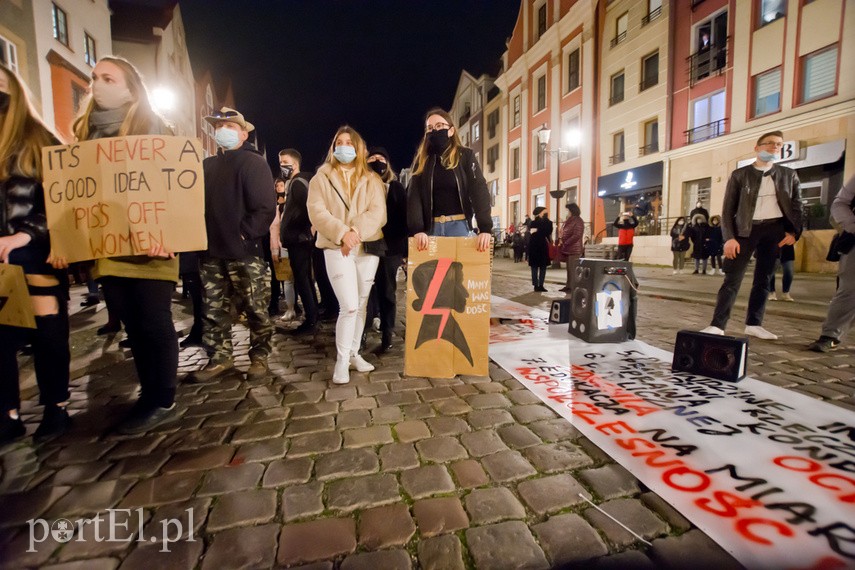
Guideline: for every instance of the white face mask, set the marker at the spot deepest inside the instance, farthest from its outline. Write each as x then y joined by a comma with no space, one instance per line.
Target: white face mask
110,95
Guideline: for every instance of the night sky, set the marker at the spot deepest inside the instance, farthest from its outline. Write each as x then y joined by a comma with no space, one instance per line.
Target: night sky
300,69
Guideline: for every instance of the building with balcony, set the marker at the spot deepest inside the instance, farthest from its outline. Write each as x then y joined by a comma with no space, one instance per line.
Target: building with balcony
634,51
548,83
492,161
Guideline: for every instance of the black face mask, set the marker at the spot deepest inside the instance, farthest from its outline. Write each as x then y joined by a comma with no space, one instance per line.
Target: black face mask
286,171
438,141
379,167
5,98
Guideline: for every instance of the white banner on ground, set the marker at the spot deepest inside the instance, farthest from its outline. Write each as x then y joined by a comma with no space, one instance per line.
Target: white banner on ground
767,473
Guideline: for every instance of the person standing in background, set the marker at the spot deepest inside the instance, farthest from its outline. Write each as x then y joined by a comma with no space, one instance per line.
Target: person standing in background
626,224
572,233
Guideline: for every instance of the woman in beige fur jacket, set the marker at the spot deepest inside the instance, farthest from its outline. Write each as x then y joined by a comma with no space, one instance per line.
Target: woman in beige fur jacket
347,206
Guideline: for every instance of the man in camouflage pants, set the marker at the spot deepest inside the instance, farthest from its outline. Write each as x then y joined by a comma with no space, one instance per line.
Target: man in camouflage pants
240,203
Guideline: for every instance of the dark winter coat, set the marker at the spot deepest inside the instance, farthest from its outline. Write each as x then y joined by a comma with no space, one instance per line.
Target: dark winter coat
715,241
538,243
22,209
395,230
295,227
239,206
678,244
698,234
572,233
471,185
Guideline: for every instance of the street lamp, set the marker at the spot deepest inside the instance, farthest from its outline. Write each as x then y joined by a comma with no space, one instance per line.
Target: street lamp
573,138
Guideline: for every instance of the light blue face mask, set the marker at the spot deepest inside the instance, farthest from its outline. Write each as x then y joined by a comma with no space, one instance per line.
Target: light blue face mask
227,138
766,156
344,154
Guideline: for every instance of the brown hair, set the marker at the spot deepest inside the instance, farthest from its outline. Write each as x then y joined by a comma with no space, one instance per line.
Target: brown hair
141,117
769,134
293,153
361,166
451,157
22,133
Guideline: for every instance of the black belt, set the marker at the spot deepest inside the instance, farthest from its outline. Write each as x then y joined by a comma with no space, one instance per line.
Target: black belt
765,222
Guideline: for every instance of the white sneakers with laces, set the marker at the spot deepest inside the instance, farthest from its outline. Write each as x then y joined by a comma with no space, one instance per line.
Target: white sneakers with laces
713,330
361,364
341,373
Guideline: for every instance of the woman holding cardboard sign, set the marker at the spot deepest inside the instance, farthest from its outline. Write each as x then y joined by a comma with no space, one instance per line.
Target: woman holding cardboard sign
24,241
347,205
140,286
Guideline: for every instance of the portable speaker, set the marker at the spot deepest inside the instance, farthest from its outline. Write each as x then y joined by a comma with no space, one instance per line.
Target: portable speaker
712,355
560,312
601,300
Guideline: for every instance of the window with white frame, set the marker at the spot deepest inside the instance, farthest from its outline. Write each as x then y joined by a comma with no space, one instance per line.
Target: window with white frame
492,123
616,95
541,93
767,92
539,153
570,138
819,74
476,131
89,54
539,199
541,20
650,71
621,25
574,77
617,148
708,117
60,24
8,54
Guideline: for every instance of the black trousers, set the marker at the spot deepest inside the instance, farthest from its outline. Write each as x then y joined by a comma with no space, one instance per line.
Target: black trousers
51,358
763,242
538,274
386,287
300,257
624,252
145,306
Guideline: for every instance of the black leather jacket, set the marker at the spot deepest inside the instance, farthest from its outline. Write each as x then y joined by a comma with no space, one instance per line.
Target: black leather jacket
295,228
474,195
22,208
740,199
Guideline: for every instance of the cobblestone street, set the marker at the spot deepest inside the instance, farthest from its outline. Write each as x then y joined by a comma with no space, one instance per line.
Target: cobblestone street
386,472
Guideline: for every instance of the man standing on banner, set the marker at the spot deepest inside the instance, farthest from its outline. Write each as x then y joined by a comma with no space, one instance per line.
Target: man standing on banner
239,208
295,234
447,188
762,211
841,311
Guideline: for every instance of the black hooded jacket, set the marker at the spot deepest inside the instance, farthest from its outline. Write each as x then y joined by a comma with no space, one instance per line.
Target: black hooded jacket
295,227
239,202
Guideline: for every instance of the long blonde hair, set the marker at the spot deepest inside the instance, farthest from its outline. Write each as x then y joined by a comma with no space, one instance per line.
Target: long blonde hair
141,117
360,162
22,133
450,158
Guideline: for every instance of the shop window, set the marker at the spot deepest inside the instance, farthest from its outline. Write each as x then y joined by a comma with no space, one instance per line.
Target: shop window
695,191
647,207
819,75
767,92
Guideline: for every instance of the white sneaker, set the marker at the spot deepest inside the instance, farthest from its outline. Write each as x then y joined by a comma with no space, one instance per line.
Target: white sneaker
713,330
361,364
341,373
375,324
289,315
674,272
721,271
773,297
787,297
760,332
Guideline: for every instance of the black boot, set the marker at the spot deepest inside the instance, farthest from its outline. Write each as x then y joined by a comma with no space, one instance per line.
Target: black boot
10,429
385,343
55,422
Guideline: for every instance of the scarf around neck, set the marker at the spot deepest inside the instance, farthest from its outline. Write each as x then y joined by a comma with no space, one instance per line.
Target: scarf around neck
106,122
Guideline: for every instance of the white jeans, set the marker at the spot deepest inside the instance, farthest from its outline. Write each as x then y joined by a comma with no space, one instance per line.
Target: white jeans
351,278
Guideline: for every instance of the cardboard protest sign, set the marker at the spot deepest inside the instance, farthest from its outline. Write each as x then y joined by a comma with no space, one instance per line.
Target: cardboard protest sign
448,309
120,196
16,309
766,472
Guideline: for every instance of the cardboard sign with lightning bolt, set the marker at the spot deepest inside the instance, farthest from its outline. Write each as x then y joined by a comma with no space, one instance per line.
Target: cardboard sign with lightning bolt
16,309
448,309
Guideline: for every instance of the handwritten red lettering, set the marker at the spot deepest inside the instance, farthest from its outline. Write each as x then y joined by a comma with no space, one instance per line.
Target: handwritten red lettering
743,527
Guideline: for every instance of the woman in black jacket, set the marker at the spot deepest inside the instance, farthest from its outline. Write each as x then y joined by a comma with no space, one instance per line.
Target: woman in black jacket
538,247
447,188
395,238
715,244
24,241
698,233
679,244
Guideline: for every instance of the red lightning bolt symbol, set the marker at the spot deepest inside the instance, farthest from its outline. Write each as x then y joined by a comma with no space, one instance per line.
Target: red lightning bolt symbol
442,266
